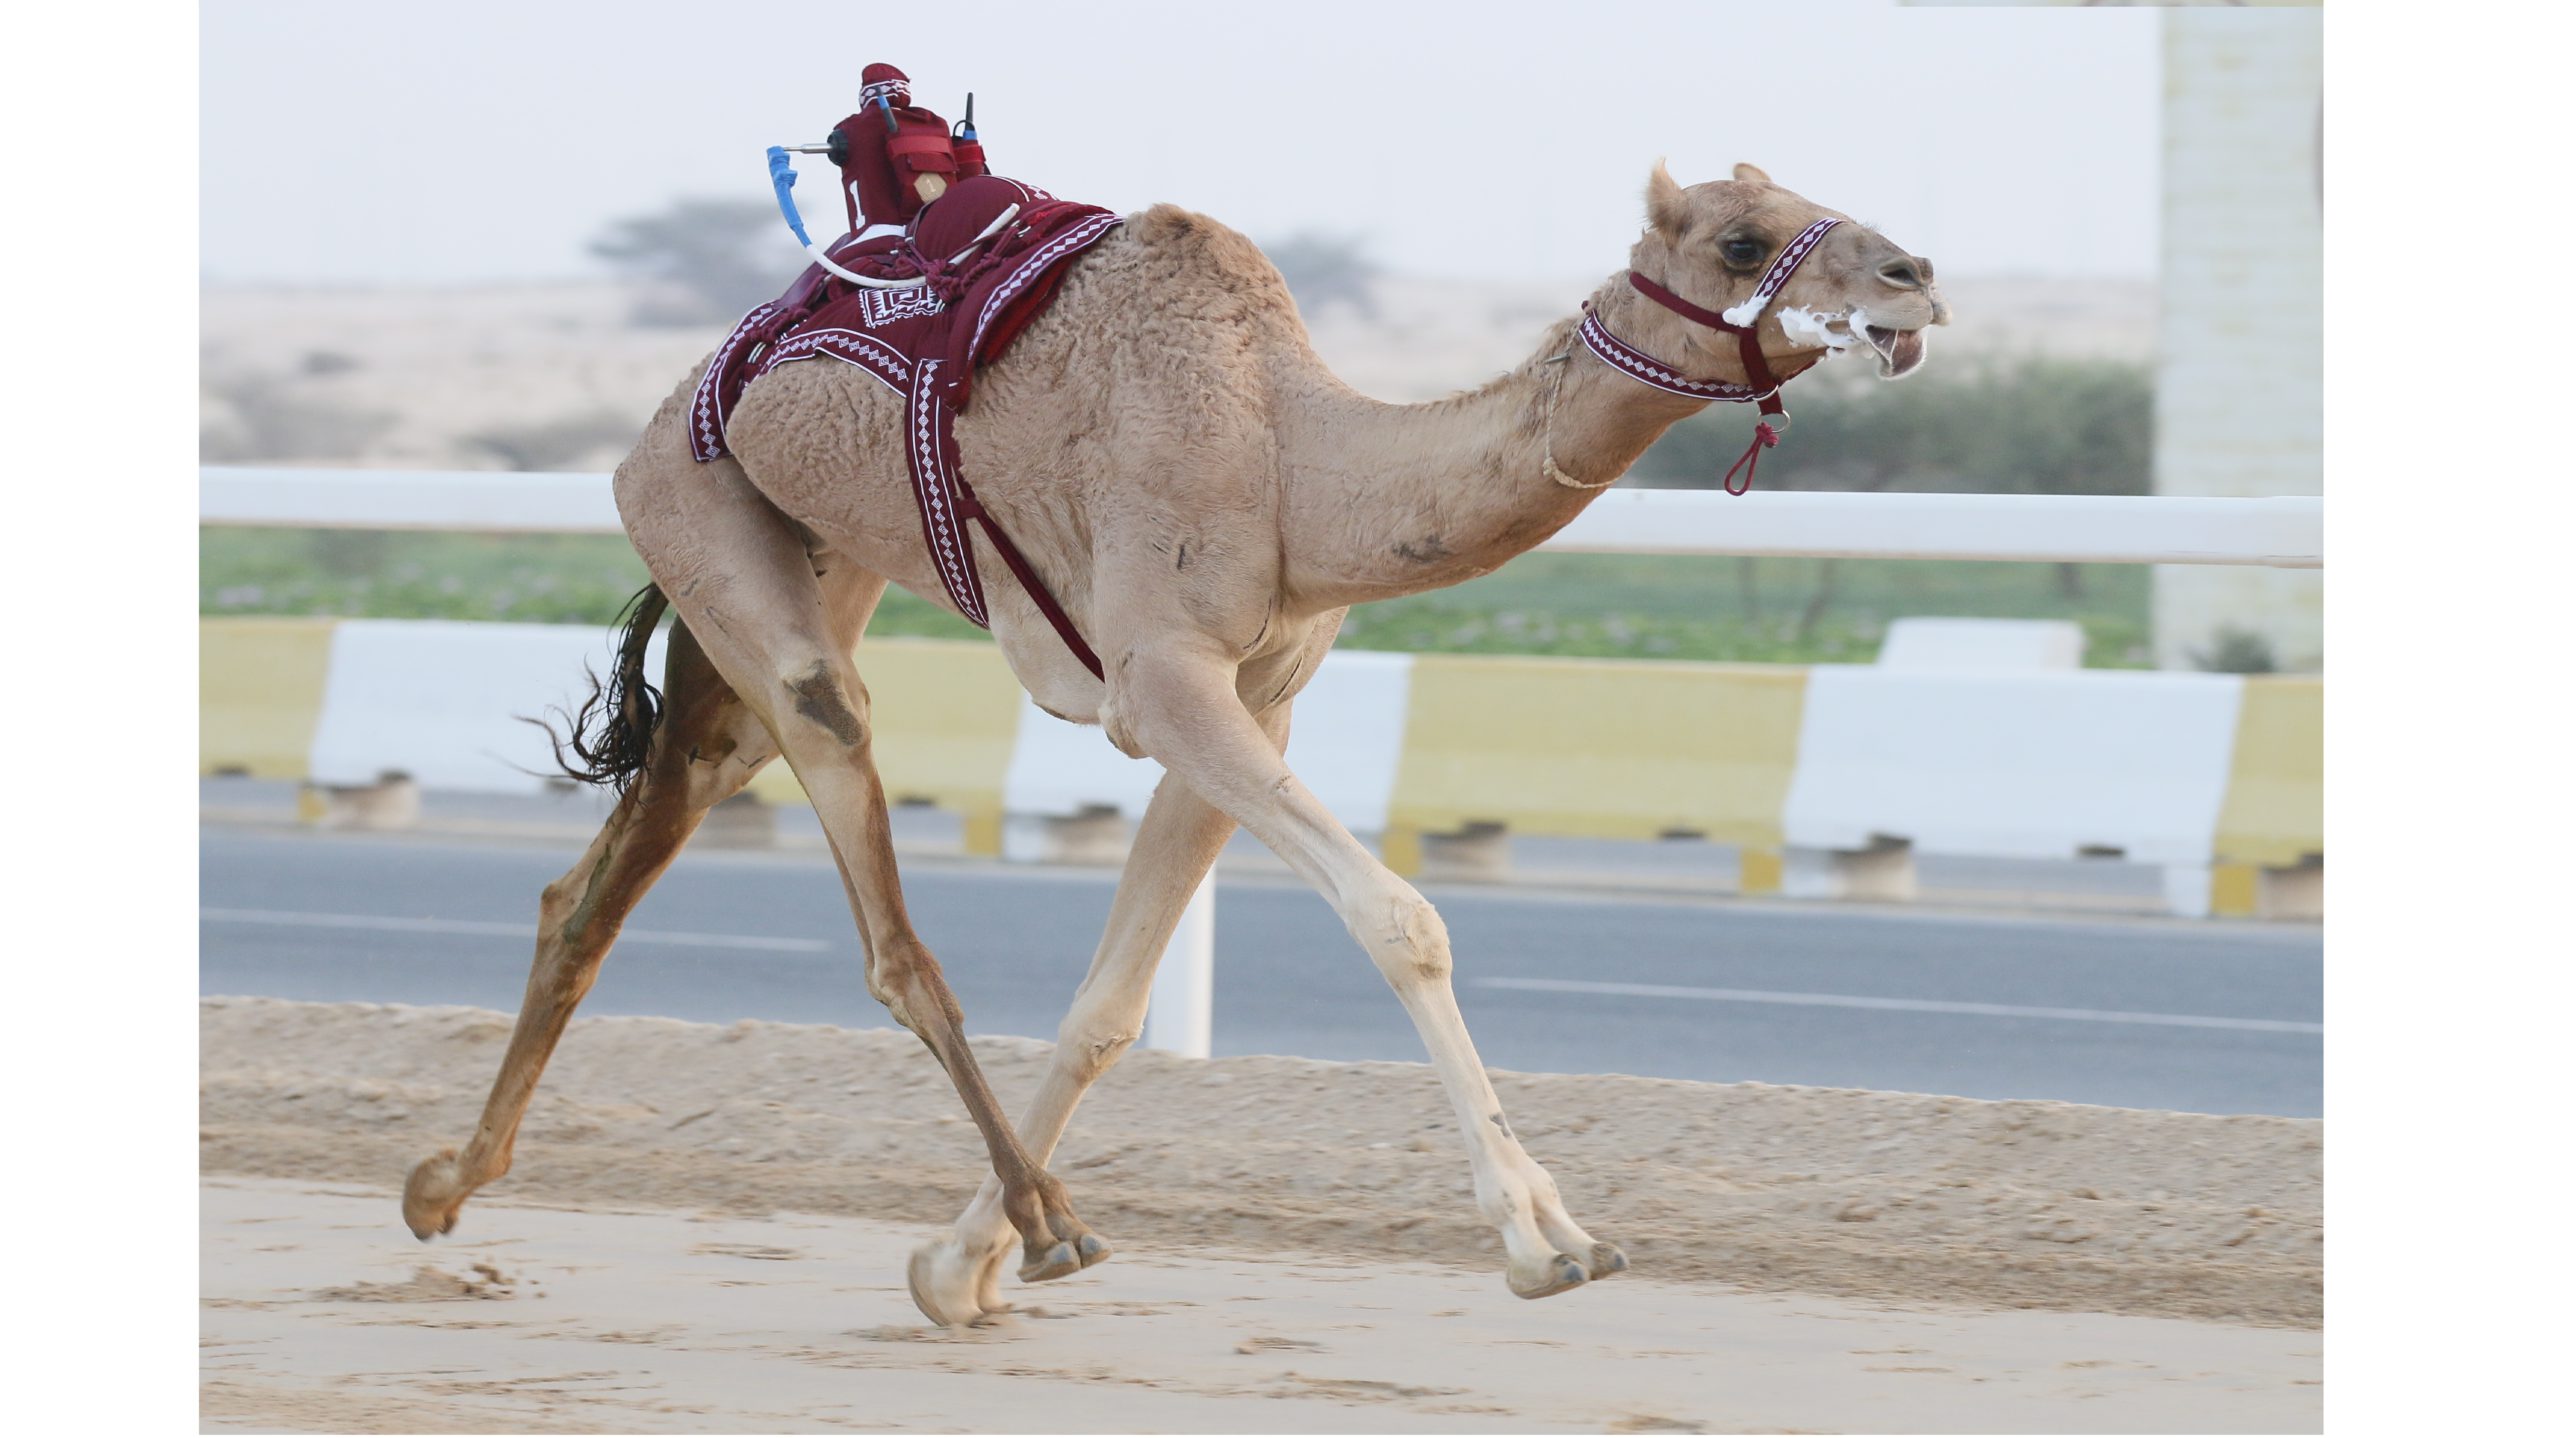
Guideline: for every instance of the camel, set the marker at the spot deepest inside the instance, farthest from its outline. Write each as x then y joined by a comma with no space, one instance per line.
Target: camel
1205,499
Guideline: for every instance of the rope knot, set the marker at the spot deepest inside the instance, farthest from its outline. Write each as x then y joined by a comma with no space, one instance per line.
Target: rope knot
1764,436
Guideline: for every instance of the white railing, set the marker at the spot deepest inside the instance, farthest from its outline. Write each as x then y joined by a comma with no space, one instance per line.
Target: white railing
2281,533
2023,528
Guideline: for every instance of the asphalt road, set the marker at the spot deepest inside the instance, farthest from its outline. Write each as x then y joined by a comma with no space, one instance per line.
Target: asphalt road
2213,1018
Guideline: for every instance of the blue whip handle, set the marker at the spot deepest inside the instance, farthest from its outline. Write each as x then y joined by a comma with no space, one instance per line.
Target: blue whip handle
778,160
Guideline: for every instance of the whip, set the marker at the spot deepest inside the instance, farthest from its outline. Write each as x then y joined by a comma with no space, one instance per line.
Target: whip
777,161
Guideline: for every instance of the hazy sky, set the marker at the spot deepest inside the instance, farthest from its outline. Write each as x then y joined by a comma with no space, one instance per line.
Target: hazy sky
471,140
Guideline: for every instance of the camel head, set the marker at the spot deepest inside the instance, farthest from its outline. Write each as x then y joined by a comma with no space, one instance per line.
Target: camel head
1858,290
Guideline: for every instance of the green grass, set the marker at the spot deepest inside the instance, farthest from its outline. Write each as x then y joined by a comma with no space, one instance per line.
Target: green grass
1611,606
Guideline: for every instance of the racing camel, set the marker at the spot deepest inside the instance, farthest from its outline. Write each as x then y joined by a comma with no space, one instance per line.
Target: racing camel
1203,499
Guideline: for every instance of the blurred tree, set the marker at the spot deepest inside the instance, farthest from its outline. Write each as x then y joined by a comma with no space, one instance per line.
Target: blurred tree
2235,651
1326,269
252,417
2034,426
705,261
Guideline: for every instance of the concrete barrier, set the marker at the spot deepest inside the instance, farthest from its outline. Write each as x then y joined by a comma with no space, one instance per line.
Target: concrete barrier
1593,749
2024,765
1830,780
260,684
2266,842
438,701
1979,644
1070,796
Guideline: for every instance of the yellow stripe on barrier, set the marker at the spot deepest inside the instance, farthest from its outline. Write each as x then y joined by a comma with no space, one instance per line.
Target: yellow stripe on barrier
259,683
2271,812
1591,748
943,714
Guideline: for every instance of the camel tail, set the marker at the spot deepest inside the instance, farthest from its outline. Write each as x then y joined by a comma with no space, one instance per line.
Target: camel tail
608,738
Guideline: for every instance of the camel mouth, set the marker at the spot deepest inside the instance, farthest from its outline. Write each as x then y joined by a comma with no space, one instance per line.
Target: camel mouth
1898,352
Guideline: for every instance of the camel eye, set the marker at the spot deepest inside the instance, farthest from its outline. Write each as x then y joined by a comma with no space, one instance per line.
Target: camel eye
1743,252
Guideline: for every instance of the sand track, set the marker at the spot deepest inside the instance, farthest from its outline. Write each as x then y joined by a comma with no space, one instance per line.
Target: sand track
1882,1218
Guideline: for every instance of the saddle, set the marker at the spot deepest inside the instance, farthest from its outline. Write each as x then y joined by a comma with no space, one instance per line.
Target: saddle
975,269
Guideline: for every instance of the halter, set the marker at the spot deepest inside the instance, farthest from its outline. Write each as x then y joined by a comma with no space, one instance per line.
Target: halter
1744,320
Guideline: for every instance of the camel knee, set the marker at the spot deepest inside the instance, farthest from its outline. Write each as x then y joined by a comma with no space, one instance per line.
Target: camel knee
1118,728
1091,1041
908,983
570,905
819,696
1405,938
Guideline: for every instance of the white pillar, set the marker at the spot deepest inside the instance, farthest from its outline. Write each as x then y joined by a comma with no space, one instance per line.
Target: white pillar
2238,410
1178,1005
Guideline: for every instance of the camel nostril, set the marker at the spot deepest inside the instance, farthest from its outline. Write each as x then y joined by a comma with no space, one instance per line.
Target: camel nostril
1902,273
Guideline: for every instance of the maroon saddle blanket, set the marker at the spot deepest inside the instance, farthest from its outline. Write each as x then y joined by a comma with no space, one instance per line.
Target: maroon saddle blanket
989,255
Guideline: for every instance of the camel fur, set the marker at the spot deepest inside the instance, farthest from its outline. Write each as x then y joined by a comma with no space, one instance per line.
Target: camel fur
1206,499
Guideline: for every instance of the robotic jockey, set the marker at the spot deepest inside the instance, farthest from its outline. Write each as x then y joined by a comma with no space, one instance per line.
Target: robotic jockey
896,157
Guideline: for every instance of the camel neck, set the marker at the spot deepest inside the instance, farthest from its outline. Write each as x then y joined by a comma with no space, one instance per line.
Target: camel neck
1445,491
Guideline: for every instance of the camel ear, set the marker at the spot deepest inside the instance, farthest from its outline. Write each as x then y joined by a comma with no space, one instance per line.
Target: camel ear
1750,172
1665,203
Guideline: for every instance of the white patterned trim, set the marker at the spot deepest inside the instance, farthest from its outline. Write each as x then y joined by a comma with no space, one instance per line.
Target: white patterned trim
927,424
880,361
710,418
1635,364
886,307
1058,247
930,462
1779,272
872,92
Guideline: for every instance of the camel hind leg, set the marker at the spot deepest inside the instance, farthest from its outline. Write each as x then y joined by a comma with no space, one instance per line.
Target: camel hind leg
707,745
781,617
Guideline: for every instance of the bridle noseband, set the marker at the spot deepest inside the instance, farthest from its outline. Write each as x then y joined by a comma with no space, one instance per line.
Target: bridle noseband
1743,320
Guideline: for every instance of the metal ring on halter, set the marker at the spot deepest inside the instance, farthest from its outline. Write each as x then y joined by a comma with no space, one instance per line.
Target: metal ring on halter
1778,422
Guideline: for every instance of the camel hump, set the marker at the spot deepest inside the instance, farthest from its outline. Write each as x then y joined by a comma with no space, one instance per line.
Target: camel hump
1203,243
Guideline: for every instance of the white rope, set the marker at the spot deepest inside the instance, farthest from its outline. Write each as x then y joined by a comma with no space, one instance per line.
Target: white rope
1568,481
1548,432
866,281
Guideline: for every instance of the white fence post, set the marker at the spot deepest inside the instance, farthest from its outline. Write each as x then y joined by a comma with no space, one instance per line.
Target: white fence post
1178,1006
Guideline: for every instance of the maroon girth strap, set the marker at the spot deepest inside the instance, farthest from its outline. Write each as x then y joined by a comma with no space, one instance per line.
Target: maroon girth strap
1744,320
969,509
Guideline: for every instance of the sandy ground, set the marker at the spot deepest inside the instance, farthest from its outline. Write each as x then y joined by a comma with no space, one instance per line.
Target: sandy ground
705,1220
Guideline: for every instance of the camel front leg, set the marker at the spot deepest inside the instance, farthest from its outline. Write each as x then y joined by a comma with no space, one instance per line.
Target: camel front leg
956,1279
1183,708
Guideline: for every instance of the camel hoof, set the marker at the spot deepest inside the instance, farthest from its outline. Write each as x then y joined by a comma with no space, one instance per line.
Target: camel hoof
1091,1250
1058,1262
431,1203
1607,1258
920,1287
1561,1273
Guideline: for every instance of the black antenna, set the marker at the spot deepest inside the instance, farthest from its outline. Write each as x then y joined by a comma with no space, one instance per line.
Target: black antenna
969,118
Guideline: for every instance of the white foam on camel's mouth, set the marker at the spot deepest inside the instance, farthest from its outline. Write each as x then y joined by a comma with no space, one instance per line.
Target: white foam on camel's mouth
1898,352
1828,328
